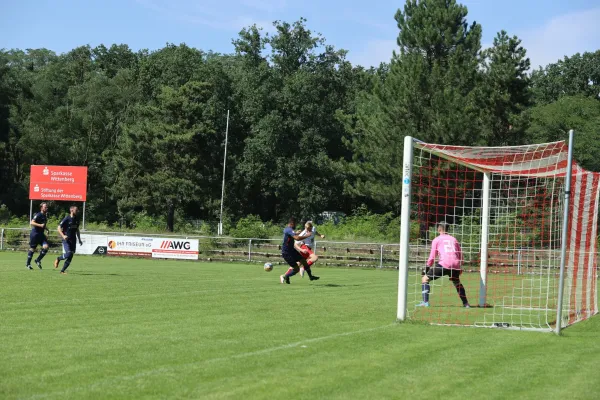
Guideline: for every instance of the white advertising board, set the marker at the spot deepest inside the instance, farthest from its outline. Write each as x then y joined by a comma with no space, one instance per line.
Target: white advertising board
129,246
181,249
139,246
92,244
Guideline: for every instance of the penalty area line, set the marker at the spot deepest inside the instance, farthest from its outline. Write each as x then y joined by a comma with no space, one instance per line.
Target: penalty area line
111,381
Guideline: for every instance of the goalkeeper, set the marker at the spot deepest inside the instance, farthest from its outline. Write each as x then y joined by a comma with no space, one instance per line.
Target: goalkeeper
449,253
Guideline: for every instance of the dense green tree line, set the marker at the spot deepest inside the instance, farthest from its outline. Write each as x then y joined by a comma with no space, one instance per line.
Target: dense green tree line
308,131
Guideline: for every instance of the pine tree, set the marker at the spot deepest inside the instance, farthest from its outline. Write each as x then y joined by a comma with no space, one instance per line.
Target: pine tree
505,91
429,93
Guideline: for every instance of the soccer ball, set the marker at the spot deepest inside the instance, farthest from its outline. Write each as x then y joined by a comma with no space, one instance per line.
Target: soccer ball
268,267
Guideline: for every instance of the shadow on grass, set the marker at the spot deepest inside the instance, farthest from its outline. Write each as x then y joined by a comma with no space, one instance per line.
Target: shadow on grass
95,273
335,285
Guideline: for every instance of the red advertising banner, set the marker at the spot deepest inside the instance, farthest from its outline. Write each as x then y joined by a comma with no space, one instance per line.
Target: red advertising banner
55,182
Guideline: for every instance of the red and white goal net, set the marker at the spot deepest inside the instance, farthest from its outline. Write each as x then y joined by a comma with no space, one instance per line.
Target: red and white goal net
505,206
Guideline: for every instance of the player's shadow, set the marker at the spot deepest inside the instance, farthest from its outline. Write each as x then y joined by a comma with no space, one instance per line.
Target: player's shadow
95,273
335,285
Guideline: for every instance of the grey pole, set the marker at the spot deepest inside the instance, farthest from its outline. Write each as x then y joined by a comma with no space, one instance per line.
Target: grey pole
83,218
220,229
563,249
404,229
485,228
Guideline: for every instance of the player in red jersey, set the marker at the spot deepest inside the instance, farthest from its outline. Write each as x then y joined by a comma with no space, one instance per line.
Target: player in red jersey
306,247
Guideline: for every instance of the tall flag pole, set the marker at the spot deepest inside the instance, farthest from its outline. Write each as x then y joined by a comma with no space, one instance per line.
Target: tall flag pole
220,229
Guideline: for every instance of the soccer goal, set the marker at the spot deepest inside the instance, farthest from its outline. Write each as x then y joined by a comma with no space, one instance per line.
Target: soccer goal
517,224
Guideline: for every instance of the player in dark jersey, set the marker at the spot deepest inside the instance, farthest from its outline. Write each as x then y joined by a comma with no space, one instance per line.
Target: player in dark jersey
37,236
290,254
68,229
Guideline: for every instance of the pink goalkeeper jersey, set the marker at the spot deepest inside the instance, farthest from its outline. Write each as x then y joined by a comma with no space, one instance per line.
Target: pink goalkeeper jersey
448,250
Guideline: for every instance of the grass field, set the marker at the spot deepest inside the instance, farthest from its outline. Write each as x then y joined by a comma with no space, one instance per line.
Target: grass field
522,301
132,328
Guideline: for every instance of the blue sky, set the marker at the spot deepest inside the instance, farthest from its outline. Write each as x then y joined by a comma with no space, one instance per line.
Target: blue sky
365,28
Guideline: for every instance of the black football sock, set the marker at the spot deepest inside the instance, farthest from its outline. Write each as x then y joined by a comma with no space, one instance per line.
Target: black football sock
42,255
460,289
67,263
425,290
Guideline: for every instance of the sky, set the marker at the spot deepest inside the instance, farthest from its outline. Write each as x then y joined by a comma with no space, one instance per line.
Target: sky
366,29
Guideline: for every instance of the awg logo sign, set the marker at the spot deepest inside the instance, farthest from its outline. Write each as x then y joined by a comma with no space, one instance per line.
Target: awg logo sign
186,249
175,245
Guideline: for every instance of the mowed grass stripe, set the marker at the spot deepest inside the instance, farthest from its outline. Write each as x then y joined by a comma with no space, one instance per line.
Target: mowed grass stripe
174,369
134,328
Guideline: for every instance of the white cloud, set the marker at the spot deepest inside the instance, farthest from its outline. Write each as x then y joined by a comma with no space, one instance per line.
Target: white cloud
373,53
562,36
232,15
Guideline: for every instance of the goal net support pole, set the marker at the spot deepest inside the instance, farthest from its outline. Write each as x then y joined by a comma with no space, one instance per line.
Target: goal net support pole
563,249
405,227
485,223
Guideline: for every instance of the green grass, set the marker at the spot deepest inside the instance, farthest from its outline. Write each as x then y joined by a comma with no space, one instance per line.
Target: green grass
523,301
131,328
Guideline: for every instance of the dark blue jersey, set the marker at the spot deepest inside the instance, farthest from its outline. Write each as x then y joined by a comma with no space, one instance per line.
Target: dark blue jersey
40,218
69,226
288,240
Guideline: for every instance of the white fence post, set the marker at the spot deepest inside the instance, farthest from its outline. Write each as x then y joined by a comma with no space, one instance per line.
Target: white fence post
250,250
381,257
2,239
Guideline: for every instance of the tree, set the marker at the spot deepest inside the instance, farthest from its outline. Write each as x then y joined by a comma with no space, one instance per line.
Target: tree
7,95
429,93
98,111
308,131
289,100
155,162
505,91
552,122
579,74
172,66
114,59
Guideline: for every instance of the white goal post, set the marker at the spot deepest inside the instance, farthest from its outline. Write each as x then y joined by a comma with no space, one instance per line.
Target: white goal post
526,219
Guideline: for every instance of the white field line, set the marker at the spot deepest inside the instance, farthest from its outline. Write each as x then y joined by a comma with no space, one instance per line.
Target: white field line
111,381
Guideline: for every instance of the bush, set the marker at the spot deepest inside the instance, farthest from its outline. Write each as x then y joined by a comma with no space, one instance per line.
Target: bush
468,234
362,225
4,214
146,223
250,227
